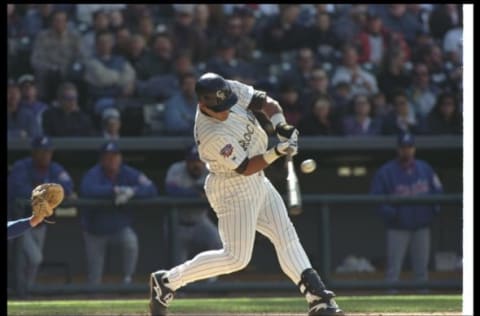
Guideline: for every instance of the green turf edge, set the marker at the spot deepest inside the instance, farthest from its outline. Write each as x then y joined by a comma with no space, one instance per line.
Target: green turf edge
353,304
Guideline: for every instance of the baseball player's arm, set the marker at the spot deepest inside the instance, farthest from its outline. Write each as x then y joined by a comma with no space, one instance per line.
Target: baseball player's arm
19,227
267,108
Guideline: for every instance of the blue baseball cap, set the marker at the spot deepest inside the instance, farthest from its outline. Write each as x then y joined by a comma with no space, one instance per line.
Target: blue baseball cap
405,139
110,147
192,153
41,142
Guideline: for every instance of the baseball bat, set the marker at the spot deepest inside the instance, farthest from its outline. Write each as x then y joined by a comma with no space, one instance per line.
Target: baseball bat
294,197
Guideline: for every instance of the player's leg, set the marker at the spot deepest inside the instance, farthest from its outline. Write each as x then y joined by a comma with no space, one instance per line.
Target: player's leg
236,223
420,253
397,244
95,247
274,223
127,239
33,247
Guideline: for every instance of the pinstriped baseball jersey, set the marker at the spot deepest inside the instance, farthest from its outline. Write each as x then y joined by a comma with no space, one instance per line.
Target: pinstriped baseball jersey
243,204
223,145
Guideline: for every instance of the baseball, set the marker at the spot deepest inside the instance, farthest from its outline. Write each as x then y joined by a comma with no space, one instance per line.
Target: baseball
308,166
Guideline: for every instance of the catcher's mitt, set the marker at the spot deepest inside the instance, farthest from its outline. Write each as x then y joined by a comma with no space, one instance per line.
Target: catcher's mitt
45,198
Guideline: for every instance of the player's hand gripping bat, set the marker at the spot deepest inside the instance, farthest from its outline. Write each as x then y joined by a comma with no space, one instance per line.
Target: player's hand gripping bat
294,197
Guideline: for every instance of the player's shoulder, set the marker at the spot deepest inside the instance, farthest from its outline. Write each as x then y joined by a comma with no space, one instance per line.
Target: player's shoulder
388,166
55,166
423,164
22,163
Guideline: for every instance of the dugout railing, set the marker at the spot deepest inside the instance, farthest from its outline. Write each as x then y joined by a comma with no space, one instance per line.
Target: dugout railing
173,205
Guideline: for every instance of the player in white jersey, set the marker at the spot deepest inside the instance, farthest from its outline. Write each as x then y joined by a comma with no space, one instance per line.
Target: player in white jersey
233,145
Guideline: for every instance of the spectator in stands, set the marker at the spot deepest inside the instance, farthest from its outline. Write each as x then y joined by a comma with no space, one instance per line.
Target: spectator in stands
421,12
164,86
85,12
111,124
186,36
361,81
25,175
108,76
445,117
201,19
226,64
402,119
181,108
67,119
372,41
158,60
349,24
116,19
443,18
283,33
21,122
321,38
29,94
37,18
361,123
408,226
101,23
380,107
288,99
112,179
397,19
422,95
453,49
138,55
394,73
54,50
319,120
244,45
432,56
195,231
145,27
318,84
250,24
300,73
122,41
342,96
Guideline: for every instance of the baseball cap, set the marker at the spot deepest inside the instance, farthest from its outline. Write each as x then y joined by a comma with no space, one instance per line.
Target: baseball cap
405,139
192,153
110,147
110,113
26,78
41,142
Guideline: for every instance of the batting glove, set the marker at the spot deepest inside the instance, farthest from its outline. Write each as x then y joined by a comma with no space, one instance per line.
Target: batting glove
285,131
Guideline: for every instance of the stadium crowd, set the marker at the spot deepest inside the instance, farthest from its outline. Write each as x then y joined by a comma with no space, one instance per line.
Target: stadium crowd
110,70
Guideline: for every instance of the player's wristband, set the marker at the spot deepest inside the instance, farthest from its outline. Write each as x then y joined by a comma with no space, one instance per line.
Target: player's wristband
277,118
271,155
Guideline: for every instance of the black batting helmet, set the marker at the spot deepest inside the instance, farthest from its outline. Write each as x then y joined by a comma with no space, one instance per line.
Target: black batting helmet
215,92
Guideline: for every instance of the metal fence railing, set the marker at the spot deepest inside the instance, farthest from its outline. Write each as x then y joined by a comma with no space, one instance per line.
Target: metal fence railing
173,205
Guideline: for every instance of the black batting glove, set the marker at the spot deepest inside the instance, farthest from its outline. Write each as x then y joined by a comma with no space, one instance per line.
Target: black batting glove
285,131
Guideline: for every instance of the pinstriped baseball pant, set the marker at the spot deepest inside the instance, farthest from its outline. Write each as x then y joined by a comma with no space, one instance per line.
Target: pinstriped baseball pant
243,206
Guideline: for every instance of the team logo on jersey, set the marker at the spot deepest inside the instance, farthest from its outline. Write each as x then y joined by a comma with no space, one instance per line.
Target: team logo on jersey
227,151
221,94
247,137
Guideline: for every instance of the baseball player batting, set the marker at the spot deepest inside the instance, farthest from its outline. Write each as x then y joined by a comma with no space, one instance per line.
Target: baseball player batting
233,145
